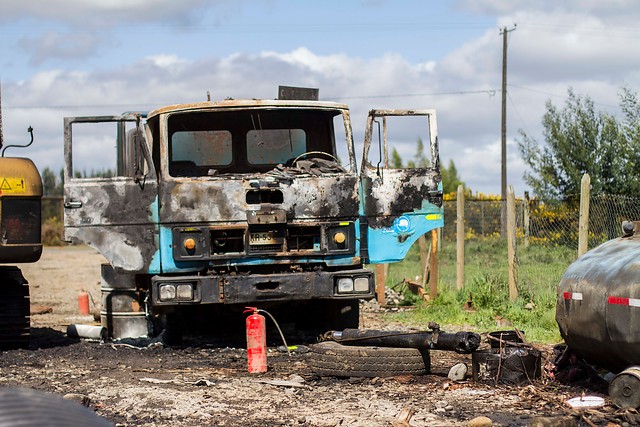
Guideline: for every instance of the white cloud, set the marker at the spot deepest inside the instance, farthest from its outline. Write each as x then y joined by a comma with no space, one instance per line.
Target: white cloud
104,13
53,44
554,47
166,61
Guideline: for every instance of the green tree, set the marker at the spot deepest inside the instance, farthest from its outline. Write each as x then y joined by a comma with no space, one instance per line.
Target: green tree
421,160
52,183
450,178
578,140
396,160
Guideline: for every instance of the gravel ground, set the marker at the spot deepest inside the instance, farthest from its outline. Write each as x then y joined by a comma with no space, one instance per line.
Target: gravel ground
205,383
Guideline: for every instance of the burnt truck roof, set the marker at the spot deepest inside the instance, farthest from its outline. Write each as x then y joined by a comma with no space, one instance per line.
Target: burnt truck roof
247,103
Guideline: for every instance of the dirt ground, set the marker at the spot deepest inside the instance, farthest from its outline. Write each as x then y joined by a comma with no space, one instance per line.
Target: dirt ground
201,383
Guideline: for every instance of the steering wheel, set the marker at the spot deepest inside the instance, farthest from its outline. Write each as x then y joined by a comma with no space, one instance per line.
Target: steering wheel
323,153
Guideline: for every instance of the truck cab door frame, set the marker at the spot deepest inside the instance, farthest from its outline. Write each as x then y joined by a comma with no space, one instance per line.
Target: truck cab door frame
125,204
397,206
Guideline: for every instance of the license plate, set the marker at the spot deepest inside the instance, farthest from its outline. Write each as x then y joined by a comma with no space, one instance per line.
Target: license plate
265,238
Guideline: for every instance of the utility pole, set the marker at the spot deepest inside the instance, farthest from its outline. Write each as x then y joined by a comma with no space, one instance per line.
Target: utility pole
503,221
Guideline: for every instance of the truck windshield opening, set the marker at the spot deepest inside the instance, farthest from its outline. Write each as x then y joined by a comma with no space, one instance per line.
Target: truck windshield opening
224,142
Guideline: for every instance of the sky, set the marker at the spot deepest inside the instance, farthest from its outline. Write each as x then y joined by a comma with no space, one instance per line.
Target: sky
76,57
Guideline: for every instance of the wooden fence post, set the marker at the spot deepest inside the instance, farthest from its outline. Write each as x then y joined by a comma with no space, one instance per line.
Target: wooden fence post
583,228
424,256
526,219
460,239
511,243
433,266
381,280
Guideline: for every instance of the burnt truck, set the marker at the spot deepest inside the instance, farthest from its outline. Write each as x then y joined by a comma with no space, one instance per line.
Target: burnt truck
244,202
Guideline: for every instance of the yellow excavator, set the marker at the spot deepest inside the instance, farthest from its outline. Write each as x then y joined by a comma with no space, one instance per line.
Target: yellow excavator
20,242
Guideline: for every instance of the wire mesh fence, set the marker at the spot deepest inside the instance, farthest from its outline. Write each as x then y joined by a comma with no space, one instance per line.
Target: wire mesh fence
547,234
549,224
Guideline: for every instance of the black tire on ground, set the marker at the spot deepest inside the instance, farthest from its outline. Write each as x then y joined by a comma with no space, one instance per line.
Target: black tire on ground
14,309
332,359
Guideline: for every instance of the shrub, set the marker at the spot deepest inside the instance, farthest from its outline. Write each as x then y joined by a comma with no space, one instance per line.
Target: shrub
52,230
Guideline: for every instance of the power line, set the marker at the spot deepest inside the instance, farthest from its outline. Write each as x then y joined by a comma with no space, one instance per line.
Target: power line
81,107
490,92
513,104
555,95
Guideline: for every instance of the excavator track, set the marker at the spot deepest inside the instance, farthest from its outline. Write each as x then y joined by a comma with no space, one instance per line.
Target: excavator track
14,309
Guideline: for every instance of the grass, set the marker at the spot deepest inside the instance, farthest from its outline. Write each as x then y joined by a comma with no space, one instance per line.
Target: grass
486,280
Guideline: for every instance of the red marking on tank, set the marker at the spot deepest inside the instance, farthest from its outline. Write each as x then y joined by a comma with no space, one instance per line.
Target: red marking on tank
573,295
632,302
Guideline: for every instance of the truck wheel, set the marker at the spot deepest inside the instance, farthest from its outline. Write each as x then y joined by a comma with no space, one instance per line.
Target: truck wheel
332,359
14,309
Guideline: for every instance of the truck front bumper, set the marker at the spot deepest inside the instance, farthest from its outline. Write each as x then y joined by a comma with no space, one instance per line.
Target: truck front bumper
252,288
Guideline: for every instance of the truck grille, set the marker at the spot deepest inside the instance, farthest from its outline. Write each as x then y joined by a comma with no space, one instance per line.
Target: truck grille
227,241
191,243
303,238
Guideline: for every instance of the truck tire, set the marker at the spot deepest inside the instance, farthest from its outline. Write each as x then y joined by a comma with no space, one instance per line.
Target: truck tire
14,309
332,359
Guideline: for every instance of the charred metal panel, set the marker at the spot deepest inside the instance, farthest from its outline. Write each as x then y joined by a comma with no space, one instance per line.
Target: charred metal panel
127,248
117,217
598,307
300,93
398,192
218,200
324,197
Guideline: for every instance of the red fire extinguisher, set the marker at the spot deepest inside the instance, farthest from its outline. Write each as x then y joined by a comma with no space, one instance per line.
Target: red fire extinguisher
83,302
256,341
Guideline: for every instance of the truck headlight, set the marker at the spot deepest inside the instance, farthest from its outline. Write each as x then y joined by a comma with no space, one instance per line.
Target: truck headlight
176,291
345,285
184,291
167,291
361,284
